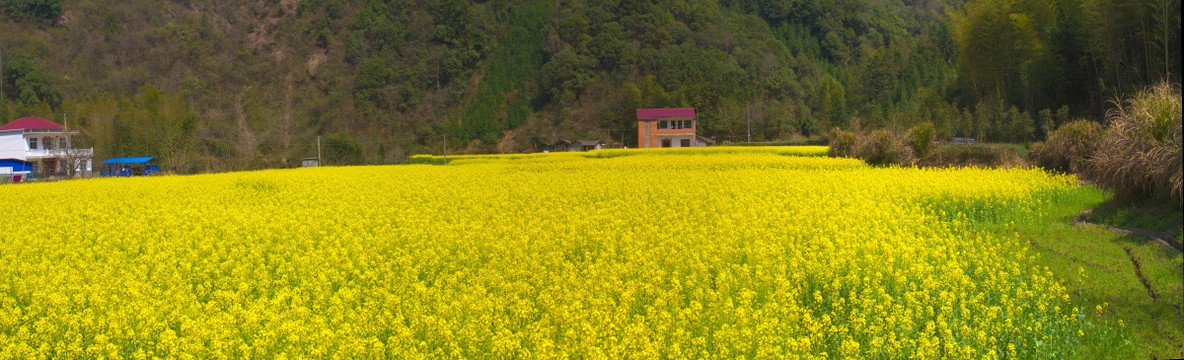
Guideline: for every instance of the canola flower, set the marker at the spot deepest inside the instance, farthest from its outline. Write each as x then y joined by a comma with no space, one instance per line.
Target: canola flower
646,255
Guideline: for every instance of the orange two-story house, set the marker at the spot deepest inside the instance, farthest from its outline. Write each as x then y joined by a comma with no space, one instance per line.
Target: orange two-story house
669,127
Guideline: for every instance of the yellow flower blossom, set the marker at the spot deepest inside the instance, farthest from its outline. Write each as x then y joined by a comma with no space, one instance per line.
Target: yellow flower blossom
703,253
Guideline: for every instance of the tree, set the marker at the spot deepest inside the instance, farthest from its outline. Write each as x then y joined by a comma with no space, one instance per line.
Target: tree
43,10
24,77
564,77
997,45
372,76
833,101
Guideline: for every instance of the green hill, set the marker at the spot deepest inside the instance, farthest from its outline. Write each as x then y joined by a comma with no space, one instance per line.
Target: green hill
221,85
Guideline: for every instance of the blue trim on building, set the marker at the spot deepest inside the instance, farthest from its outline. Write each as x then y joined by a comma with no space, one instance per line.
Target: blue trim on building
128,160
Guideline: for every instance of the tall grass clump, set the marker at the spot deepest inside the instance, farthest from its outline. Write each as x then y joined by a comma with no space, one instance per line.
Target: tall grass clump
1139,156
881,147
1069,148
921,137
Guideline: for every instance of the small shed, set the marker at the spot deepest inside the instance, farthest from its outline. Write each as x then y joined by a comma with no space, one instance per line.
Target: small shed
130,166
963,140
585,145
701,140
310,162
15,166
14,170
555,146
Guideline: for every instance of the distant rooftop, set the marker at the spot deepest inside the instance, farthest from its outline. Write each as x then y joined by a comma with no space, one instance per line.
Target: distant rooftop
31,123
666,113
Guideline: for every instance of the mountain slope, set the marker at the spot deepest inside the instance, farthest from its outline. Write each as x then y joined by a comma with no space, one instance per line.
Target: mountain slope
237,85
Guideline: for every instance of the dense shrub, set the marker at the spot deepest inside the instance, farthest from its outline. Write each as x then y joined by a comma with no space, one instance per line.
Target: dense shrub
1069,148
949,155
341,149
881,147
791,142
1139,156
842,143
921,137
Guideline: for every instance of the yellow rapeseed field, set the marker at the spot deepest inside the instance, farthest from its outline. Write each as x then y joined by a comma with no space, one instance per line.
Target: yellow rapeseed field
751,253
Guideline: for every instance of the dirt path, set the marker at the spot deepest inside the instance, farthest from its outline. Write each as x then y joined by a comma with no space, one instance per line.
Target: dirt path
1164,238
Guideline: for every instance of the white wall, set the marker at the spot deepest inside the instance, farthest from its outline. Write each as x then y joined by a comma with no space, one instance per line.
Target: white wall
13,144
82,165
677,141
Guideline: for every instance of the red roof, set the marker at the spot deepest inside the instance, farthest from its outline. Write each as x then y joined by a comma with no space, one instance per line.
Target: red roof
31,123
665,113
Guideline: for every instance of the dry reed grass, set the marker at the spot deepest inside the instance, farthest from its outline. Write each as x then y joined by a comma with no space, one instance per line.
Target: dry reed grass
1140,154
1069,148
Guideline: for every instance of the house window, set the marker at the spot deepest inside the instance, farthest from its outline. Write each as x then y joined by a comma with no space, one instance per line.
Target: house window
663,124
689,124
32,143
684,143
665,142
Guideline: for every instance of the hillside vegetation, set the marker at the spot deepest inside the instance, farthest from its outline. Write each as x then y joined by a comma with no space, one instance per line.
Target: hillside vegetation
220,85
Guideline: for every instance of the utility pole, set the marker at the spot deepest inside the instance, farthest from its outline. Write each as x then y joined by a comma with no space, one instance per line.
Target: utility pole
1,73
445,148
67,151
748,116
66,122
319,162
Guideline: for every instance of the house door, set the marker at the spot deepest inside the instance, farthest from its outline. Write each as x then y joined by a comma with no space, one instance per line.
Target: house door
665,142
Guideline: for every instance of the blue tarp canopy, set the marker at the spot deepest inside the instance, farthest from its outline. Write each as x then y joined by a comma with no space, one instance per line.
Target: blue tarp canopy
17,165
128,160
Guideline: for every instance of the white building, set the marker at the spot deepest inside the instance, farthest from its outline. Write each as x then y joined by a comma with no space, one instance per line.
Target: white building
47,145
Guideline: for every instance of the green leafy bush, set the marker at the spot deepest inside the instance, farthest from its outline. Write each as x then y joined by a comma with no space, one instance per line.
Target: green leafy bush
1069,148
921,137
341,149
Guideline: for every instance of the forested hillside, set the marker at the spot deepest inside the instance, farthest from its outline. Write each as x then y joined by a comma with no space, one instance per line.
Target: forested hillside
218,85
